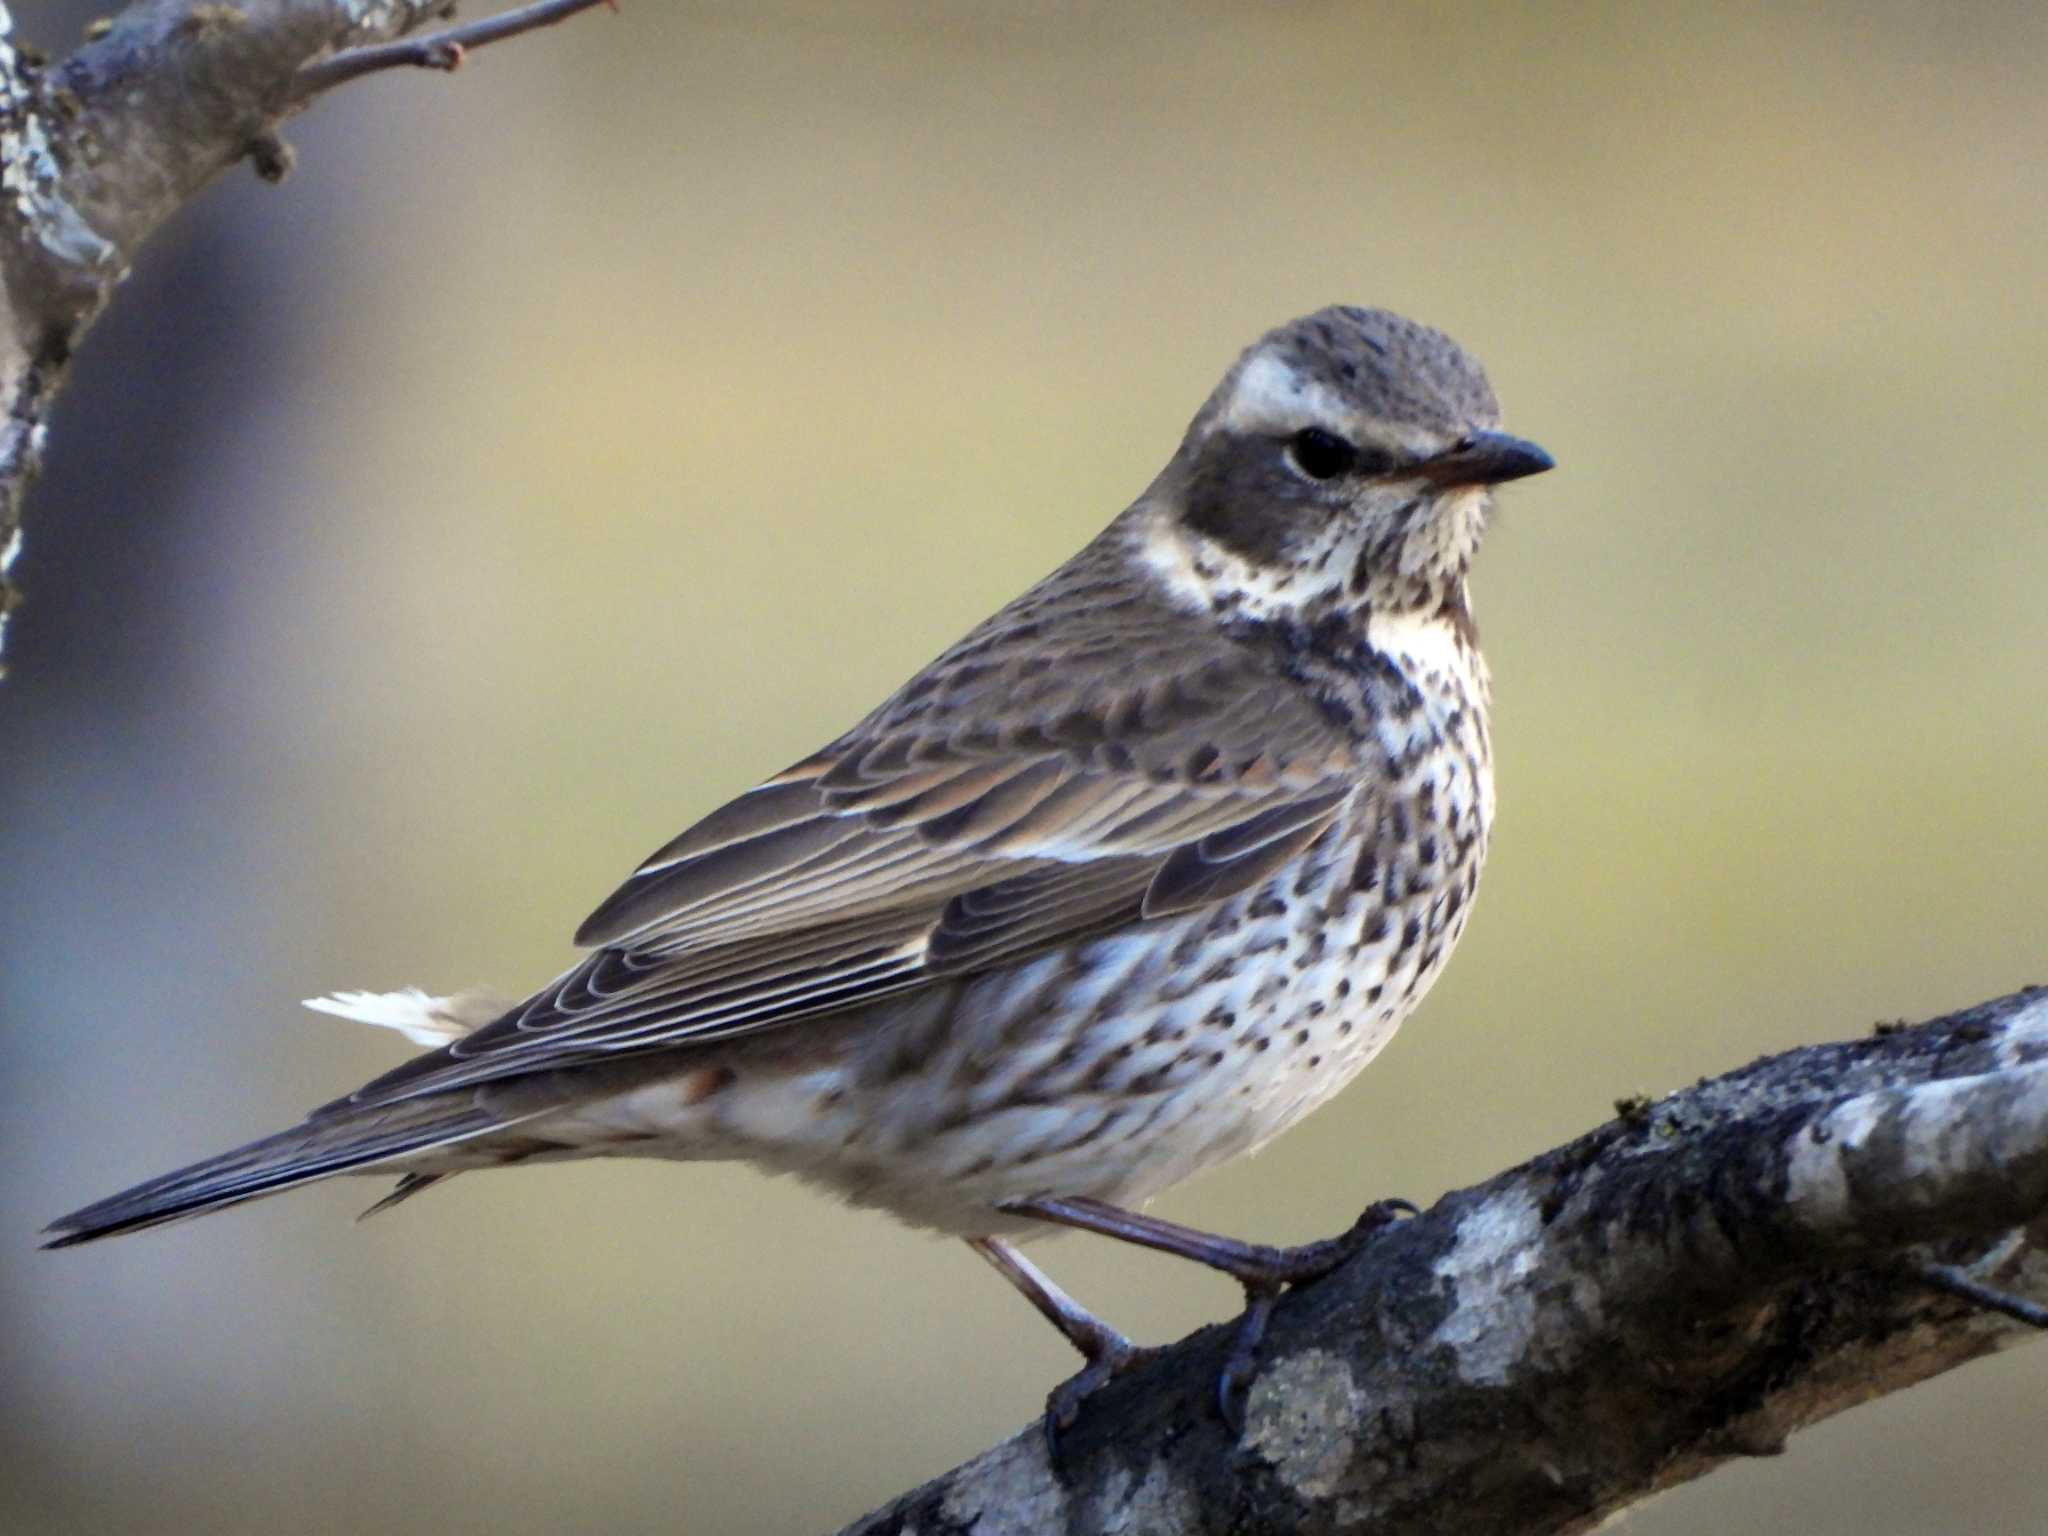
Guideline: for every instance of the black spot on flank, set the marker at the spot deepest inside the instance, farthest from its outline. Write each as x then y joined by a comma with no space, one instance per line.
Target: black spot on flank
1411,932
1372,995
1344,990
1365,874
1301,1037
1261,1043
1376,930
1425,852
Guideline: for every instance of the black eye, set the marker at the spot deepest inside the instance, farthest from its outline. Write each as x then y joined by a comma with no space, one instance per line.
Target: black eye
1321,455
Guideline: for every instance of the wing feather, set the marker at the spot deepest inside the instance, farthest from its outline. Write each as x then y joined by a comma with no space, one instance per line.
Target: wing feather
1236,859
942,837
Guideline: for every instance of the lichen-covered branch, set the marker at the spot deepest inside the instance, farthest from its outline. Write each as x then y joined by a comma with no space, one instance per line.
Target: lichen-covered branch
1689,1283
98,150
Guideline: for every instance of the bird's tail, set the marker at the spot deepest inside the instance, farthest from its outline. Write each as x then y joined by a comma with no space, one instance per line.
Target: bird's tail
333,1141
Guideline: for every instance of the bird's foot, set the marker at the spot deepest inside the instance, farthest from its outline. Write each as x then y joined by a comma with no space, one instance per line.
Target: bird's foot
1109,1355
1265,1272
1261,1266
1266,1275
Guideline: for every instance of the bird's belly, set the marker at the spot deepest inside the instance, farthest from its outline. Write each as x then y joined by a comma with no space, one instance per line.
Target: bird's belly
1117,1067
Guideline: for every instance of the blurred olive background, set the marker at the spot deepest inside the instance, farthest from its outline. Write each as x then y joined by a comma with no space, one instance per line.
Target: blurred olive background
576,439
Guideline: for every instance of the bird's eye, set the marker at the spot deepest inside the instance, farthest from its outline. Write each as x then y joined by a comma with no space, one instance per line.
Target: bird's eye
1321,455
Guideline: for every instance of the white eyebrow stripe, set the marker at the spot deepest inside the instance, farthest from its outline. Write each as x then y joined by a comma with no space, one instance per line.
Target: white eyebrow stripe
1271,396
1270,393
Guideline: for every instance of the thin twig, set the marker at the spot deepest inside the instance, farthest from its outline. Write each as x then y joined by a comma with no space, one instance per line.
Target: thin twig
440,50
1949,1278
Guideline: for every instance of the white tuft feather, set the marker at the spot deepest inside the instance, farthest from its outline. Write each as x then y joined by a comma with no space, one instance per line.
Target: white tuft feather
422,1019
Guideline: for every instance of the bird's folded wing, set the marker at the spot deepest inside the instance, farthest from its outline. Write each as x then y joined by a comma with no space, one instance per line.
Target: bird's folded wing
896,858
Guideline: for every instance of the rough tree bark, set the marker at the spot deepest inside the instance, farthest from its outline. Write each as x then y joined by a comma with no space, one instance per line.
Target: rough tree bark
97,151
1689,1283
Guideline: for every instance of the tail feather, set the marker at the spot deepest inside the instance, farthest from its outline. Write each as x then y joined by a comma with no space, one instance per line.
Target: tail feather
408,1185
317,1149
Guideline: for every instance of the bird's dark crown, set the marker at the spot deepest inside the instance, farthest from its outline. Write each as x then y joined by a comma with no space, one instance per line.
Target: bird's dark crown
1388,369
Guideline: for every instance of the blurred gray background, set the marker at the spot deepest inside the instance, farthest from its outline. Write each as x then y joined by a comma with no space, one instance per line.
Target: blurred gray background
574,440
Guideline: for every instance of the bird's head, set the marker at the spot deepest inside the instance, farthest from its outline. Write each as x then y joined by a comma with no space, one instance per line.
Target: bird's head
1348,456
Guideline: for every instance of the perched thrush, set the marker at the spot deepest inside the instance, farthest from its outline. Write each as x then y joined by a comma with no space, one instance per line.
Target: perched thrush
1125,883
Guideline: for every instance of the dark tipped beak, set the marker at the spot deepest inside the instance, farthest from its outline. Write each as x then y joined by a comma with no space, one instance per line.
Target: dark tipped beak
1487,458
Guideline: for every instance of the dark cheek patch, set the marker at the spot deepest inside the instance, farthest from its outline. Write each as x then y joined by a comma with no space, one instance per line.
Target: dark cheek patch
1237,498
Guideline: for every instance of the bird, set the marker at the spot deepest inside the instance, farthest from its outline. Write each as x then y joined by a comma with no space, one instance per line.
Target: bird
1128,880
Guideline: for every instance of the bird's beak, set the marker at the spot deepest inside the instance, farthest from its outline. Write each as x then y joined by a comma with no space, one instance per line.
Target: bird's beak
1486,458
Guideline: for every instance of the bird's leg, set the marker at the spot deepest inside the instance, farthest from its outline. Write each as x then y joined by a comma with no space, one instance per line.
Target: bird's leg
1262,1270
1108,1353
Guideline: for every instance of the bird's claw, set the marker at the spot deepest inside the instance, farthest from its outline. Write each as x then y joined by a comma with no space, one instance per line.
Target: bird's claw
1289,1267
1312,1261
1375,1218
1234,1381
1111,1356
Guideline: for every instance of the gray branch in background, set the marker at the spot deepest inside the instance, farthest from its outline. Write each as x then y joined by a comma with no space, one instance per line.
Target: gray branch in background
1689,1283
98,151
